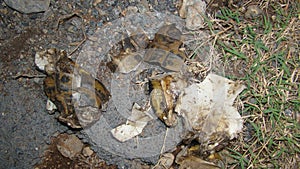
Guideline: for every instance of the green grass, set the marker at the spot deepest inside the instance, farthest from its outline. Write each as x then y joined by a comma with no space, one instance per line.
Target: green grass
268,46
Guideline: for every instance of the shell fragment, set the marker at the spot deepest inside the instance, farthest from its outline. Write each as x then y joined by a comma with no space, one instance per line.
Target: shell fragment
134,125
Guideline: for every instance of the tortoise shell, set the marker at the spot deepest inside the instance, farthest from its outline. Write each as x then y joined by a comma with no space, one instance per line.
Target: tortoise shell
63,85
70,87
162,51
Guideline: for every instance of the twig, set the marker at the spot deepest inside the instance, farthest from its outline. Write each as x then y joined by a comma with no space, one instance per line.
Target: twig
29,76
161,152
163,146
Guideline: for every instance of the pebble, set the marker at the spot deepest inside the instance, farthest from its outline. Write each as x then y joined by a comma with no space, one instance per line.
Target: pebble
4,11
252,12
130,10
87,151
96,2
45,31
288,112
193,11
69,145
28,6
143,6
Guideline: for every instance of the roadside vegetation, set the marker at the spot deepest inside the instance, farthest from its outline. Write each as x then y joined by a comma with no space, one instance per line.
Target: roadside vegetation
262,50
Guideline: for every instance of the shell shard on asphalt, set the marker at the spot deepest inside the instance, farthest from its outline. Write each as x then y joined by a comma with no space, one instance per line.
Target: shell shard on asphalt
167,60
50,106
207,107
164,49
128,63
134,125
77,95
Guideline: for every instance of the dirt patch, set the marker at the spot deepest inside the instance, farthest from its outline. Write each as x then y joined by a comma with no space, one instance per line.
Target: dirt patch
85,158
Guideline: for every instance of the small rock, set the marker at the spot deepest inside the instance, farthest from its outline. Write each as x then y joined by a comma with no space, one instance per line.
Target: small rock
37,80
87,151
28,6
193,11
69,145
96,2
50,106
45,31
143,6
130,10
4,11
252,12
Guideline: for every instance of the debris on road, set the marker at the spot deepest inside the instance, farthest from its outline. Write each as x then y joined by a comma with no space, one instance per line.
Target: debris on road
165,91
207,108
77,95
134,125
68,151
193,108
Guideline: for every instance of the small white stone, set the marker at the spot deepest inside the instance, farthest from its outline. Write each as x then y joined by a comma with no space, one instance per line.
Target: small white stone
50,106
87,151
